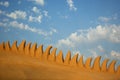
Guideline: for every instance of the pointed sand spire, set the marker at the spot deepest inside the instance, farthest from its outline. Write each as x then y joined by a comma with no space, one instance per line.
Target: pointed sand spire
104,65
27,49
14,47
81,63
33,49
52,56
2,46
21,47
46,53
111,67
74,61
39,51
67,58
96,64
88,63
118,70
59,57
7,46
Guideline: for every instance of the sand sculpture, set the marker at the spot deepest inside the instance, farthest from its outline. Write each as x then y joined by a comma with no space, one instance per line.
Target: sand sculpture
28,61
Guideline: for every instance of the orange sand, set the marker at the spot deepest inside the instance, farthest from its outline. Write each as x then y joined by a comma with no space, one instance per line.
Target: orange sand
18,66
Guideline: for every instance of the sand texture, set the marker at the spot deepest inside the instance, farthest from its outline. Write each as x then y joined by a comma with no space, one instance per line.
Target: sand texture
25,62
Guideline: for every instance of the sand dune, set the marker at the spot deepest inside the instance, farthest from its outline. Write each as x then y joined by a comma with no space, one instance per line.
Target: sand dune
19,63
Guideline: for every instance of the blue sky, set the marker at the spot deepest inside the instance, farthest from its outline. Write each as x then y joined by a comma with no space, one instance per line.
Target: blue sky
87,27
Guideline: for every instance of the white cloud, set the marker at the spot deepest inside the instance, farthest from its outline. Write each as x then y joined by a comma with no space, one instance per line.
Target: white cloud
41,2
45,13
100,48
77,52
6,3
107,19
53,30
17,14
71,5
35,19
35,9
3,24
104,19
19,2
2,12
109,33
22,26
93,52
115,54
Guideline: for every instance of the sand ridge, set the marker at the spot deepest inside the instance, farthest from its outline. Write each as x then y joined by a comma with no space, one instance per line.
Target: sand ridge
25,62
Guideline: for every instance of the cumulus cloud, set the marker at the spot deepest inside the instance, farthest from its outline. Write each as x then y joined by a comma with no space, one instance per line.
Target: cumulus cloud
109,33
35,19
22,26
71,5
35,9
40,2
115,54
6,3
17,14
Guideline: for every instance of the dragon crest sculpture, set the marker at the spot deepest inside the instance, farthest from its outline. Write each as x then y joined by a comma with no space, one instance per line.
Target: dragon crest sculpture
27,61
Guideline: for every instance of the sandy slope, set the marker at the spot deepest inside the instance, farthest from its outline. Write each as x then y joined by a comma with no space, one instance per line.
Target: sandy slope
16,66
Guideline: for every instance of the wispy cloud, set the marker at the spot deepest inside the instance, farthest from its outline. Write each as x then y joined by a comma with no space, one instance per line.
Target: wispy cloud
104,19
3,24
39,2
100,48
6,3
22,26
17,14
93,52
39,15
71,5
35,19
45,13
2,12
107,19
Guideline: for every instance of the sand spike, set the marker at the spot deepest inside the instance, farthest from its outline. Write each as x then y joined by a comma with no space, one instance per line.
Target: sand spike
74,60
46,53
96,64
21,47
27,48
59,57
118,70
2,46
104,65
52,56
80,62
39,51
33,49
88,63
14,47
7,46
67,58
111,67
